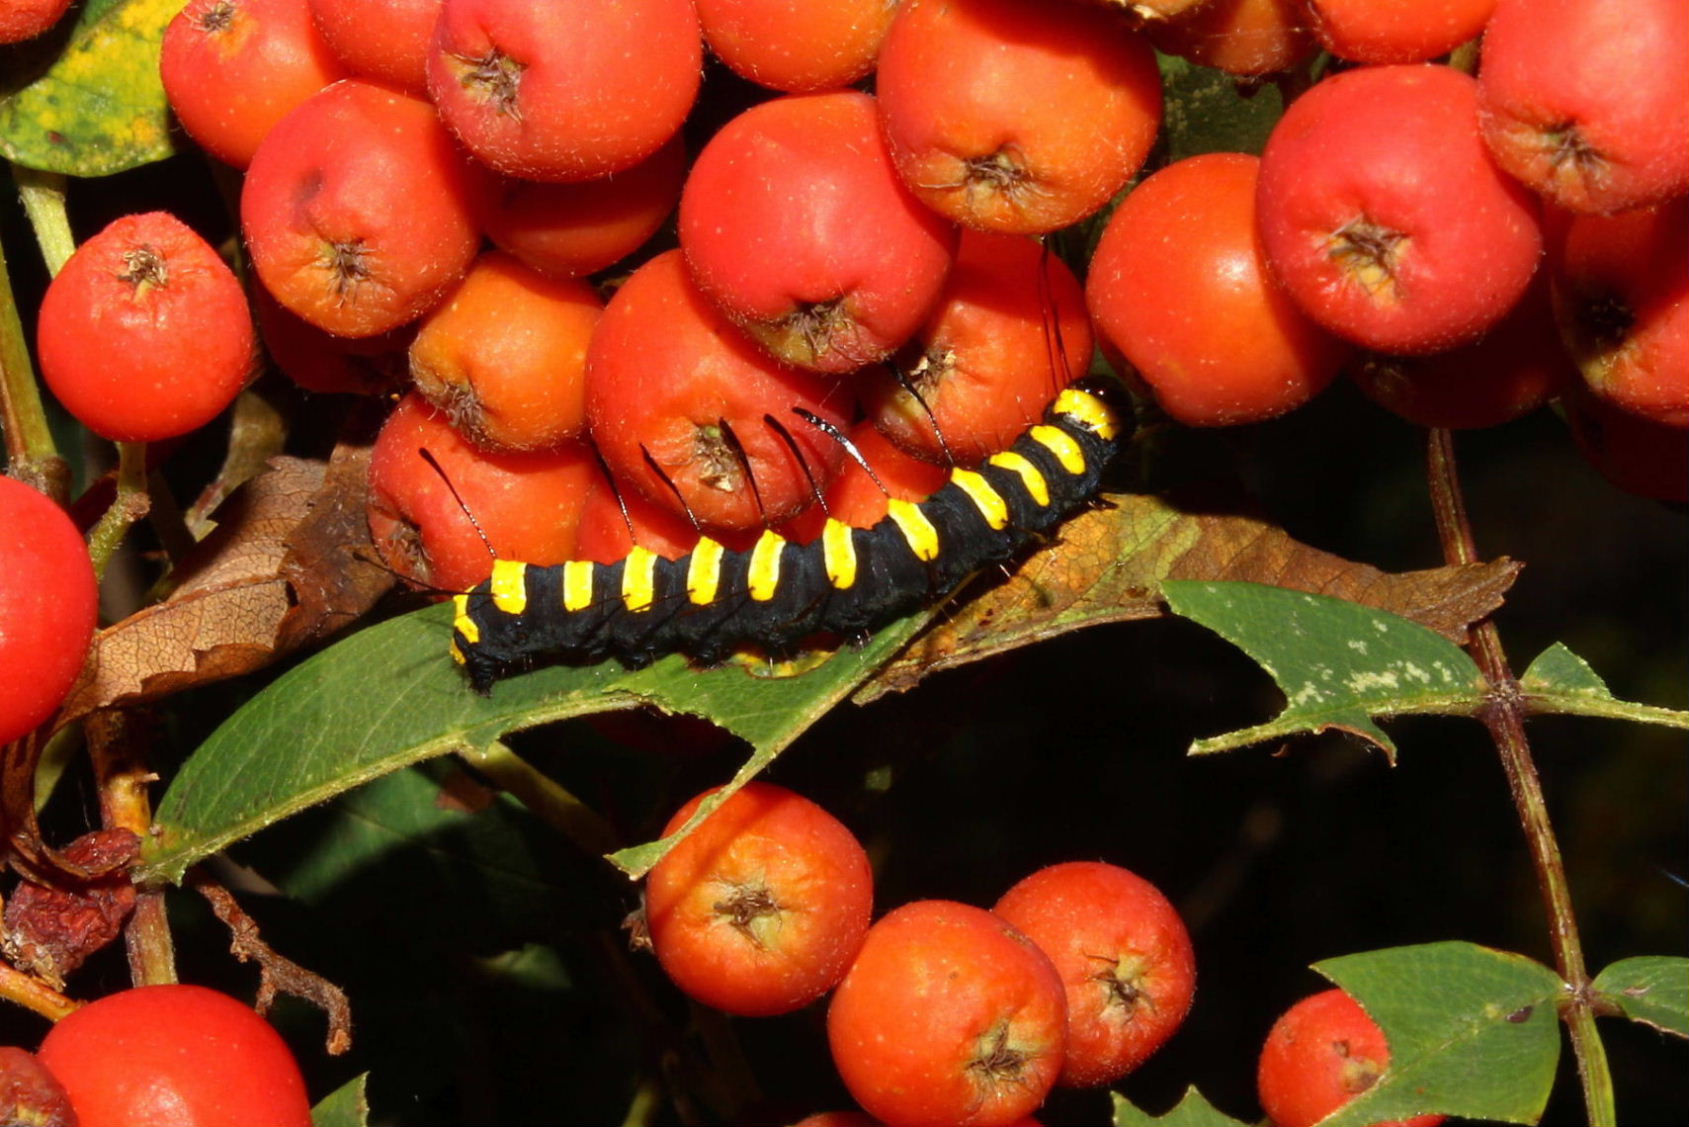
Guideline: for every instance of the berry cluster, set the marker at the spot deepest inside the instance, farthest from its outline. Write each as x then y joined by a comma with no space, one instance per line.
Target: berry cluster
942,1012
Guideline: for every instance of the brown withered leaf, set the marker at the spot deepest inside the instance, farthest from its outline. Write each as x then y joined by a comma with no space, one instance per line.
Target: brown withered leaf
282,568
1108,565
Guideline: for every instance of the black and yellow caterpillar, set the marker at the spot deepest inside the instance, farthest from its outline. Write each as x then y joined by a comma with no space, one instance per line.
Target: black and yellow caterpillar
848,581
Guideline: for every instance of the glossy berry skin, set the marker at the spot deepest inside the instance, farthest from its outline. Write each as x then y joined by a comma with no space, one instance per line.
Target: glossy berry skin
180,1055
386,40
1016,117
357,209
1621,297
1323,1052
948,1015
1008,332
1513,369
760,910
48,607
232,69
1587,101
795,223
1180,286
1396,31
1122,952
145,334
25,19
1384,217
665,368
528,504
564,91
794,45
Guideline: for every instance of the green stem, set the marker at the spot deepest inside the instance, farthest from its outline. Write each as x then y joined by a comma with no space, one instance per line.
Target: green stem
1504,716
543,796
30,453
43,196
130,505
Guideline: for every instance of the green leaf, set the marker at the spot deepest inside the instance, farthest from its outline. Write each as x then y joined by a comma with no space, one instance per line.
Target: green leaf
1561,681
1209,111
1652,989
346,1106
1339,663
1191,1111
100,107
1472,1031
389,696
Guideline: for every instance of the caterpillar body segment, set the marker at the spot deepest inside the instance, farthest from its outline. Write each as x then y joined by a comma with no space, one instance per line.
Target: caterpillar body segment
847,581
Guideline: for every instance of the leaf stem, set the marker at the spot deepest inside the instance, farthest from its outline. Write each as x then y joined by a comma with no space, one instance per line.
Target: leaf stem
1504,716
130,505
115,746
542,795
43,196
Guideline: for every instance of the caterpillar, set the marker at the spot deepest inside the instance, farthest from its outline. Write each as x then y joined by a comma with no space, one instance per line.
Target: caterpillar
847,581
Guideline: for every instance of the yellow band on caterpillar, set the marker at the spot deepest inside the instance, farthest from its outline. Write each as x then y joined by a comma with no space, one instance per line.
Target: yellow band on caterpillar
762,576
639,579
1036,487
917,530
1062,445
464,624
509,586
838,553
1090,411
987,500
577,584
703,573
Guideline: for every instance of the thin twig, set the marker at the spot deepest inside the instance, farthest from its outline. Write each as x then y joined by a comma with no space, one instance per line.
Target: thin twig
276,973
1504,715
33,994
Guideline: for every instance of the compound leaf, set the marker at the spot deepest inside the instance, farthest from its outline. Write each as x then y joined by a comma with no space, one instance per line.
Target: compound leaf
99,108
346,1106
1193,1110
1652,989
1339,663
388,697
1473,1032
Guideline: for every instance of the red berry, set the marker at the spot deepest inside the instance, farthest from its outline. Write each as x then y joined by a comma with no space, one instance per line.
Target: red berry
1587,101
175,1054
1383,215
232,69
505,355
1321,1054
665,370
358,209
1123,953
564,91
1008,332
25,19
762,908
527,504
1180,286
1396,31
1019,116
48,607
949,1015
1621,296
795,224
145,334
